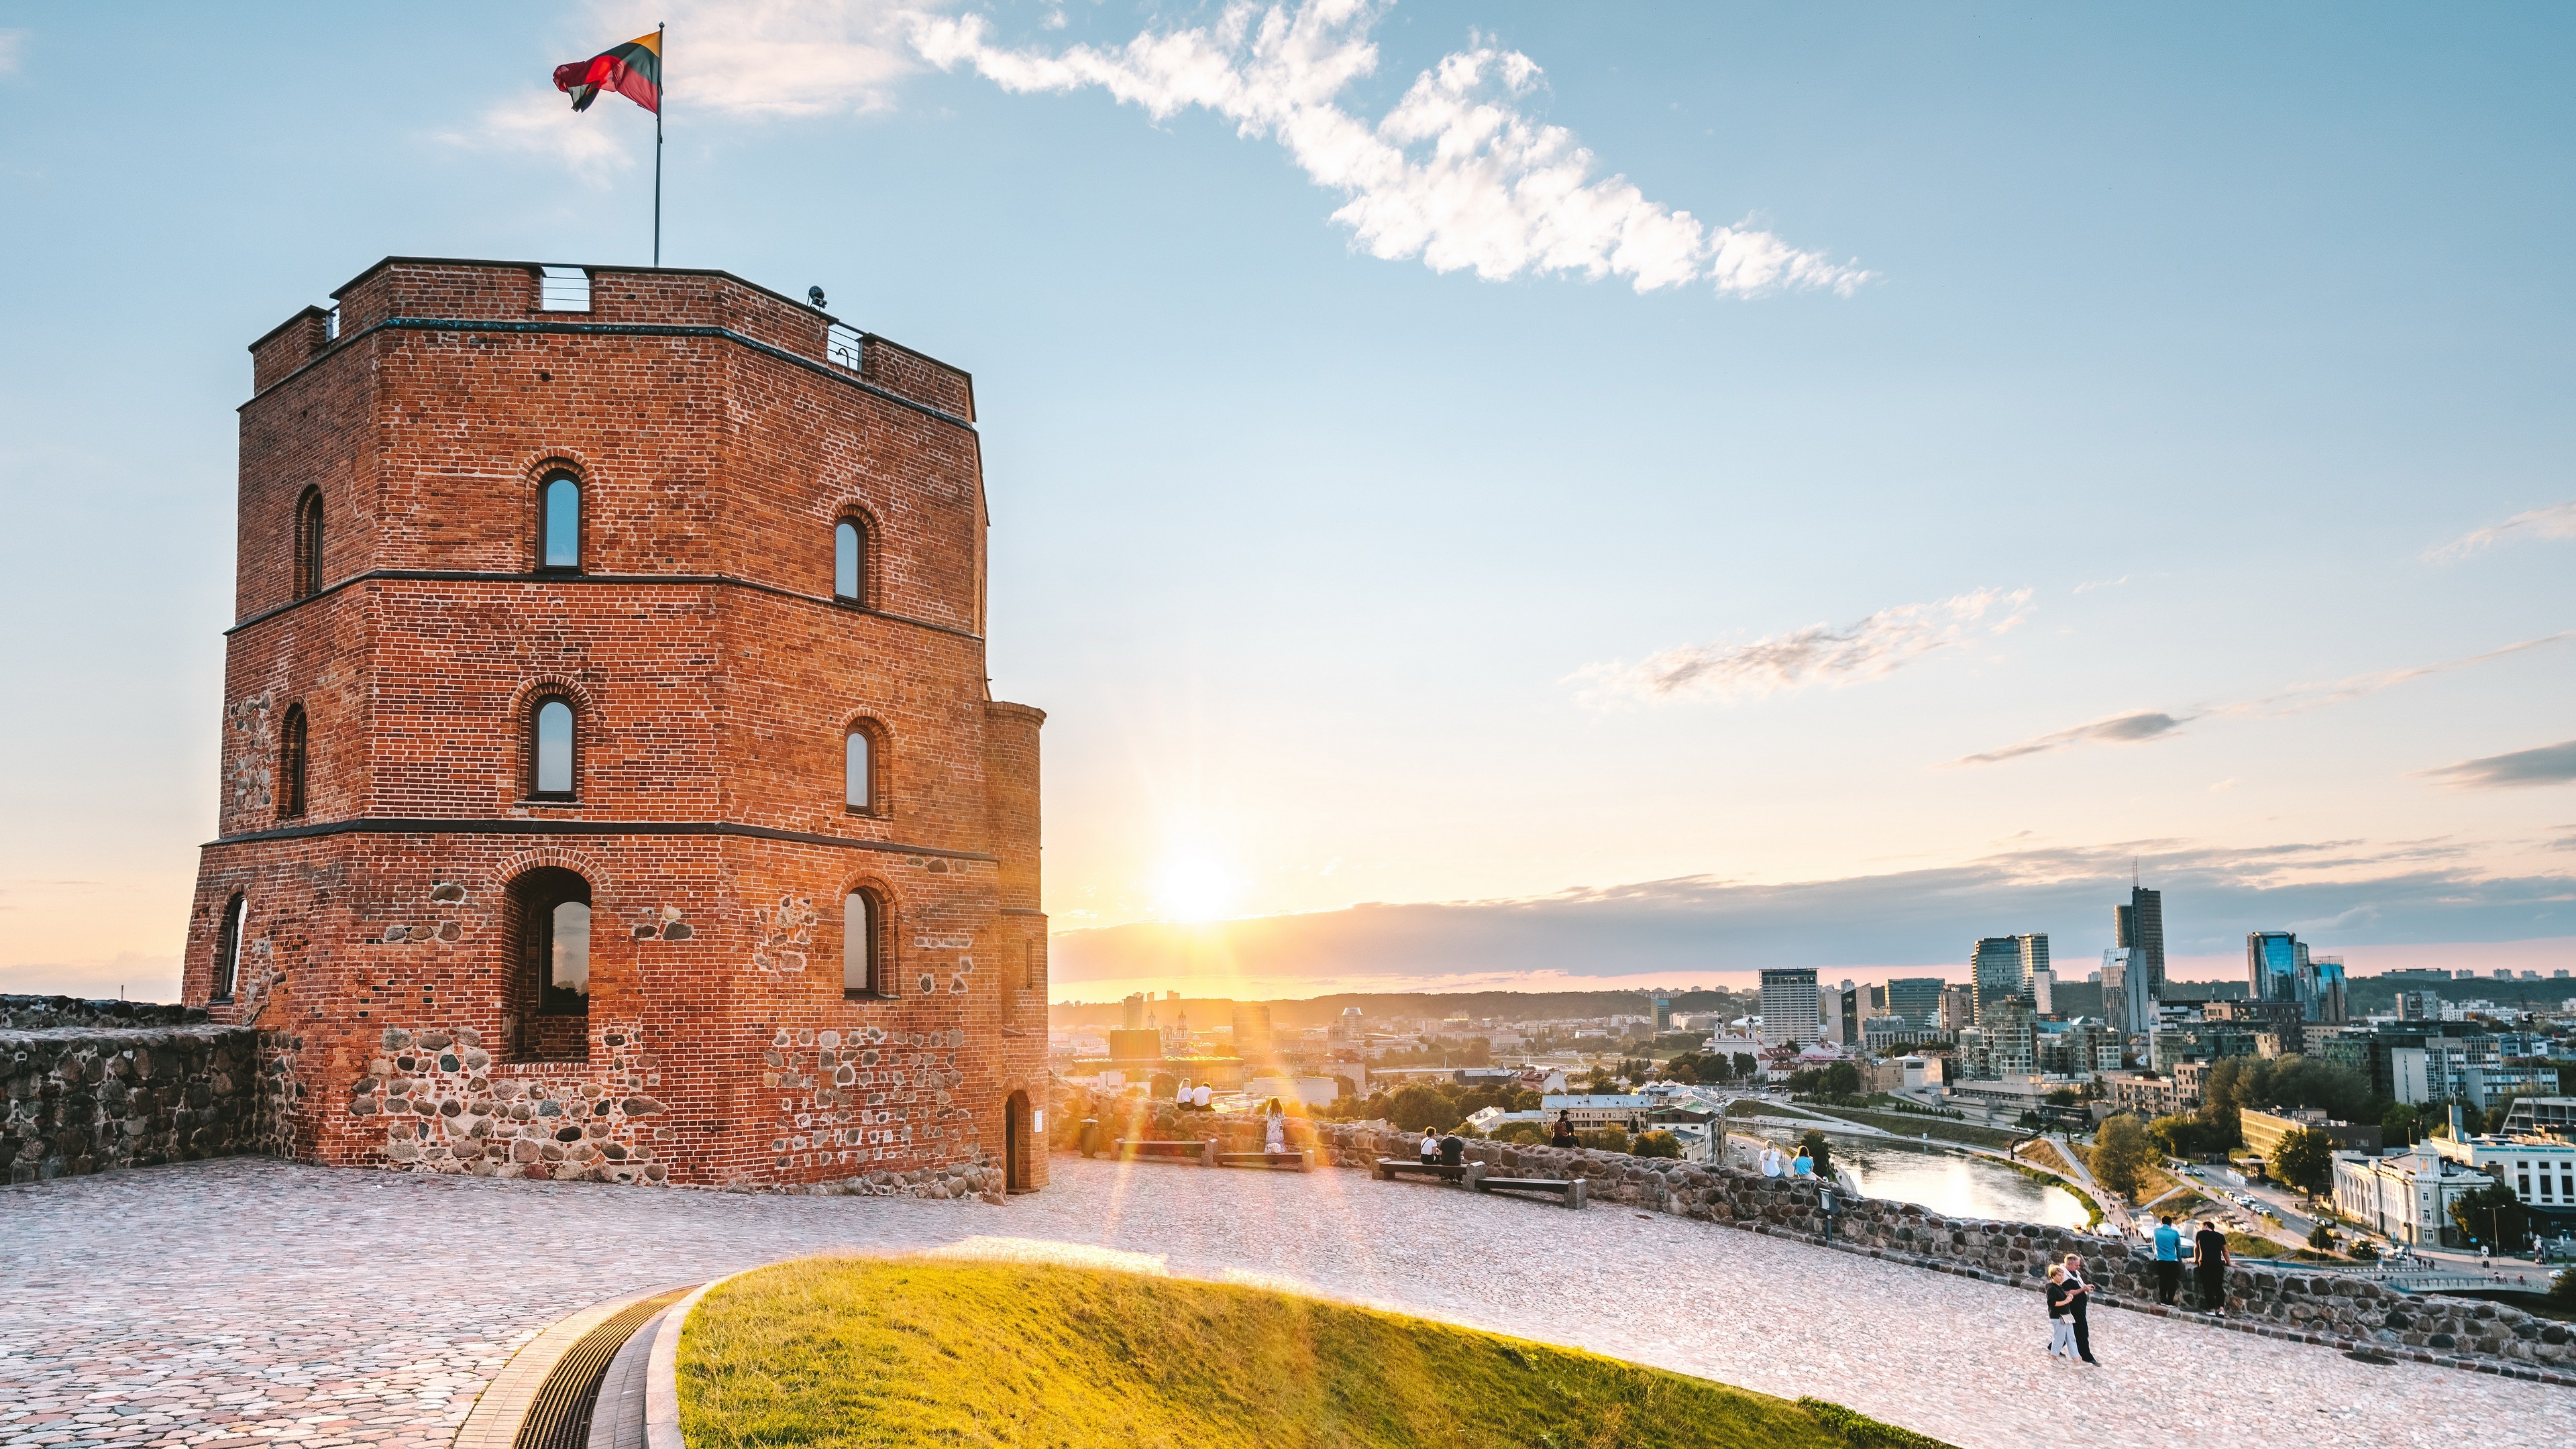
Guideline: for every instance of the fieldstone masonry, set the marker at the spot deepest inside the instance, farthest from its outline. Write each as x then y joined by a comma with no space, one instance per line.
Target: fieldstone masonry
98,1084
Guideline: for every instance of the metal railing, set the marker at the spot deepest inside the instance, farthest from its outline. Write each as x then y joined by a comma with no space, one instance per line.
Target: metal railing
563,289
841,344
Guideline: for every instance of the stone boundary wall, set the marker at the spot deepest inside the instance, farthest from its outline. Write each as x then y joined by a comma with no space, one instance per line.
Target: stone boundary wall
45,1013
84,1098
2332,1309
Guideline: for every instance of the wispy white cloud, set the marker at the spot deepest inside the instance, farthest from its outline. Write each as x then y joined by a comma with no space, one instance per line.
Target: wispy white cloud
1459,173
740,58
2086,588
536,125
2556,521
2139,726
1818,654
2547,765
13,46
2135,727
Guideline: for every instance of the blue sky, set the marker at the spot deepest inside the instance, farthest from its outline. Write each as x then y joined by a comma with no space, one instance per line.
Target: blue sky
2174,407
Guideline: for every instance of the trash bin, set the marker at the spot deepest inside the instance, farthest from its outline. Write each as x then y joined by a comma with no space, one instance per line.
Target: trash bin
1089,1140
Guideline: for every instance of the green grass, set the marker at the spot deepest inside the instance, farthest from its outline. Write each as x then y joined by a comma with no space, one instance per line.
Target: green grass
840,1353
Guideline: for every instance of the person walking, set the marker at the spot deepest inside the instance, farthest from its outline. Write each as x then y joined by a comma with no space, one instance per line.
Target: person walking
2083,1300
1430,1147
2168,1261
2209,1265
2061,1327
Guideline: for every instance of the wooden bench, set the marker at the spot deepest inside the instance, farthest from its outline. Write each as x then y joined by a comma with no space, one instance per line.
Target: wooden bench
1289,1161
1129,1149
1462,1173
1570,1191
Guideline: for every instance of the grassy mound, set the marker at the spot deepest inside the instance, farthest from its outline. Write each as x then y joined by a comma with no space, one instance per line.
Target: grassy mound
839,1353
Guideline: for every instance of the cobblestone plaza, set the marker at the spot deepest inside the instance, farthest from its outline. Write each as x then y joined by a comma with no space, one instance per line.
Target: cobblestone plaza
249,1299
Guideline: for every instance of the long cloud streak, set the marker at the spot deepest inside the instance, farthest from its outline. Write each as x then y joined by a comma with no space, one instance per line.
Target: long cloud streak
2141,726
1818,654
2556,521
1458,173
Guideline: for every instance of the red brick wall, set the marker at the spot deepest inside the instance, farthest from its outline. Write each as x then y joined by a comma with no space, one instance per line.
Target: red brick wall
714,679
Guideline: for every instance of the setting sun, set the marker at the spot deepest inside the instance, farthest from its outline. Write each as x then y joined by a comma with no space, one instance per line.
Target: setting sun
1194,888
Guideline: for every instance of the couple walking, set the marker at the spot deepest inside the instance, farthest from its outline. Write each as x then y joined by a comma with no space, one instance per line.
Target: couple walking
2070,1333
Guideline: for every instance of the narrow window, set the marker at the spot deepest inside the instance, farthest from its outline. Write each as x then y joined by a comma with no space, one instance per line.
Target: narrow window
849,561
308,544
228,946
290,765
546,1010
862,945
559,522
550,749
858,772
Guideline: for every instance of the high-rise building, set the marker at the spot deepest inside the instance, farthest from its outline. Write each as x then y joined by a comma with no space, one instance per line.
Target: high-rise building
2127,1005
1131,1017
1958,1008
1251,1029
2331,1002
2277,969
1790,1006
1847,1007
2043,990
2139,926
1994,972
1916,996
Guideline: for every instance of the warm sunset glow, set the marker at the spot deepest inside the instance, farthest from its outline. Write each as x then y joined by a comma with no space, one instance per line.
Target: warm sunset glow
1194,888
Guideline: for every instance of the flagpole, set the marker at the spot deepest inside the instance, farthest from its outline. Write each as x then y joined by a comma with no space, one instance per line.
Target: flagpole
661,97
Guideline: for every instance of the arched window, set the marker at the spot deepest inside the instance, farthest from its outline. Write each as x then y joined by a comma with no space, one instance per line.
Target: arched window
228,939
850,561
290,764
308,544
551,749
550,910
860,770
559,522
864,958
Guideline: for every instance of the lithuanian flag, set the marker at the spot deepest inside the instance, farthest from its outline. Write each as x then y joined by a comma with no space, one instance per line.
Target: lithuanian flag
633,70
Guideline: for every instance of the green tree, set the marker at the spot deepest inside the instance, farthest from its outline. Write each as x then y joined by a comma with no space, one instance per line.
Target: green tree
2184,1135
1745,1066
1529,1132
1842,1079
1680,1070
2121,1152
2305,1160
1814,1144
2321,1238
2562,1288
1657,1144
2063,1097
2398,1126
1607,1139
1599,1081
2492,1215
1419,1106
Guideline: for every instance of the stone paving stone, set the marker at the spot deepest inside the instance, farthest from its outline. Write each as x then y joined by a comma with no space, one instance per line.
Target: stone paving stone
246,1301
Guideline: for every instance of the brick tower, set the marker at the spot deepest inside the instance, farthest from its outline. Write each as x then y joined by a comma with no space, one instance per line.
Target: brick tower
611,789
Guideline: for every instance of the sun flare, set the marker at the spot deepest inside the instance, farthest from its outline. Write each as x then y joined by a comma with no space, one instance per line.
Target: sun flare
1194,888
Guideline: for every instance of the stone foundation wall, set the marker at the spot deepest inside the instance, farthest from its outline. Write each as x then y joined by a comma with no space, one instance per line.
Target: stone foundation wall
85,1098
2333,1308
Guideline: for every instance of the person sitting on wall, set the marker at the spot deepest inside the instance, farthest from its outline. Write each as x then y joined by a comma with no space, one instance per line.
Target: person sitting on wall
1772,1163
1199,1098
1430,1147
1274,1134
1453,1149
1562,1134
1805,1166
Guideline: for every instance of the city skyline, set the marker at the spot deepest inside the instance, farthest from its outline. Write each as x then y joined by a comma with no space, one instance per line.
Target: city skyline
1848,521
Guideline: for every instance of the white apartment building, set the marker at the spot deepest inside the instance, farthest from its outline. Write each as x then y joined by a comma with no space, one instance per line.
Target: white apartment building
2541,1172
2466,1069
2406,1196
1594,1111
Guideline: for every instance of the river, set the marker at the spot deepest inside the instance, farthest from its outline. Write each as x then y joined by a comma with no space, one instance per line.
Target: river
1952,1182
